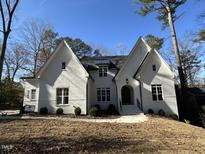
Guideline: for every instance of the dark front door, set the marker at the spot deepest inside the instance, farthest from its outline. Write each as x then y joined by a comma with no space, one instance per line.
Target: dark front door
126,95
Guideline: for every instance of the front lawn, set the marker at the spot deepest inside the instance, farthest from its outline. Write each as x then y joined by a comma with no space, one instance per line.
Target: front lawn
157,135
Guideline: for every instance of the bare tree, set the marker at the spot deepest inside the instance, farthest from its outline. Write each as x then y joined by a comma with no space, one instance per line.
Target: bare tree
7,9
15,60
34,34
191,54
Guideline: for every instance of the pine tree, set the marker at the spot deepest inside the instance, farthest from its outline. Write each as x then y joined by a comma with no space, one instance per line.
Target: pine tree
166,13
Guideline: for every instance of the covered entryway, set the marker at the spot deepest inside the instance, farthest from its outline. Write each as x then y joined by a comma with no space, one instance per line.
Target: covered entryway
127,103
127,95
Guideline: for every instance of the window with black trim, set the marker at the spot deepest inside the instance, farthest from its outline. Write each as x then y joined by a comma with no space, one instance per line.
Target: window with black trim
62,96
103,94
33,94
103,71
157,92
154,67
28,94
63,65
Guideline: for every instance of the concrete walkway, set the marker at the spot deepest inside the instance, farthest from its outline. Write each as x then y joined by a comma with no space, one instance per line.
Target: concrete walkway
122,119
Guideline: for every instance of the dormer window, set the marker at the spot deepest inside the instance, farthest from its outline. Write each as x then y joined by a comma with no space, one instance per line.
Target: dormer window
154,67
103,71
63,65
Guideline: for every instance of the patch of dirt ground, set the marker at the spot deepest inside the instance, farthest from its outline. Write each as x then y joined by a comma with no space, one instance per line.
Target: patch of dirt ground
157,135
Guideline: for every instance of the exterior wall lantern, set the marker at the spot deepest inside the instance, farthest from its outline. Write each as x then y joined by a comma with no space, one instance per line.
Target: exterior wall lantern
127,81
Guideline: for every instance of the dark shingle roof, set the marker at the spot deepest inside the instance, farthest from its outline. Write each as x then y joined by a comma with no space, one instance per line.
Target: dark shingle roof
113,61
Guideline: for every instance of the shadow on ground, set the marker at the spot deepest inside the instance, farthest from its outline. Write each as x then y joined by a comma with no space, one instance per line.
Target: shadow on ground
90,144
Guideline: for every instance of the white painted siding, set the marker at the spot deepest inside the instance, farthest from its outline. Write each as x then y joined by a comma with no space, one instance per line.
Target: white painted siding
29,85
83,92
73,77
162,76
102,82
134,60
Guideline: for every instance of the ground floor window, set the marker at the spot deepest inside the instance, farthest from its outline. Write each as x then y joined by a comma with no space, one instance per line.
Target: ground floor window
157,92
27,94
103,94
33,94
62,96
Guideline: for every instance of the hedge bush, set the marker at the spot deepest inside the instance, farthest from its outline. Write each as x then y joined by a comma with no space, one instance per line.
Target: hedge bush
203,108
59,111
97,106
161,112
43,110
93,111
22,110
150,111
77,110
112,109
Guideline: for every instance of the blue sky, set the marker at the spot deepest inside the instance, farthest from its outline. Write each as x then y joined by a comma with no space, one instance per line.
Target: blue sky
106,23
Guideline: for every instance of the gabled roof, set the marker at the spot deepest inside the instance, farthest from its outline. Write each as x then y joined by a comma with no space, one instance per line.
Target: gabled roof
63,43
140,40
142,63
145,61
92,63
50,59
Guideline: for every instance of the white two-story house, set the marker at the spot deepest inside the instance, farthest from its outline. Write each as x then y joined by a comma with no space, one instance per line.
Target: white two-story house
134,83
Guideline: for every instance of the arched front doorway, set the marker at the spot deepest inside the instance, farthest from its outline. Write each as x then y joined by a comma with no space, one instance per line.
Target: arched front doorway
127,95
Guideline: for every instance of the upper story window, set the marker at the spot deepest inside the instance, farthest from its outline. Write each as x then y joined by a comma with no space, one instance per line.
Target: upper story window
63,65
154,67
103,71
33,94
62,96
157,92
103,94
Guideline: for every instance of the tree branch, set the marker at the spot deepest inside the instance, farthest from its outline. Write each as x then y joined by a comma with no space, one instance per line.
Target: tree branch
2,16
11,12
8,6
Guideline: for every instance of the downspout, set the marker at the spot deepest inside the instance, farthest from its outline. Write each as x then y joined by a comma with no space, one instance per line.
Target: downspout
140,86
88,92
116,95
87,96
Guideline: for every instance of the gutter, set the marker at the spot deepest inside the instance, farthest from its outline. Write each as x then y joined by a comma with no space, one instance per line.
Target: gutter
140,86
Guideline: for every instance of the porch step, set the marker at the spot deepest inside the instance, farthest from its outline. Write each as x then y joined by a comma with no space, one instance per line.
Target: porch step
130,110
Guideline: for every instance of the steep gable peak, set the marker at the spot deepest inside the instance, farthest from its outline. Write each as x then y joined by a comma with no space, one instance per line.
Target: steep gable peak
58,49
141,43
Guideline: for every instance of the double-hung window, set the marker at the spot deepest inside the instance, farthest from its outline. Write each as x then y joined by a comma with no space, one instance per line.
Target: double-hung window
33,94
28,94
154,67
62,96
63,65
108,94
103,94
103,71
157,92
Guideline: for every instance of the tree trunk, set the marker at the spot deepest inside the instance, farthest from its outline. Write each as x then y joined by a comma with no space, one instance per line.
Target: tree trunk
35,64
3,51
14,73
176,49
8,70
